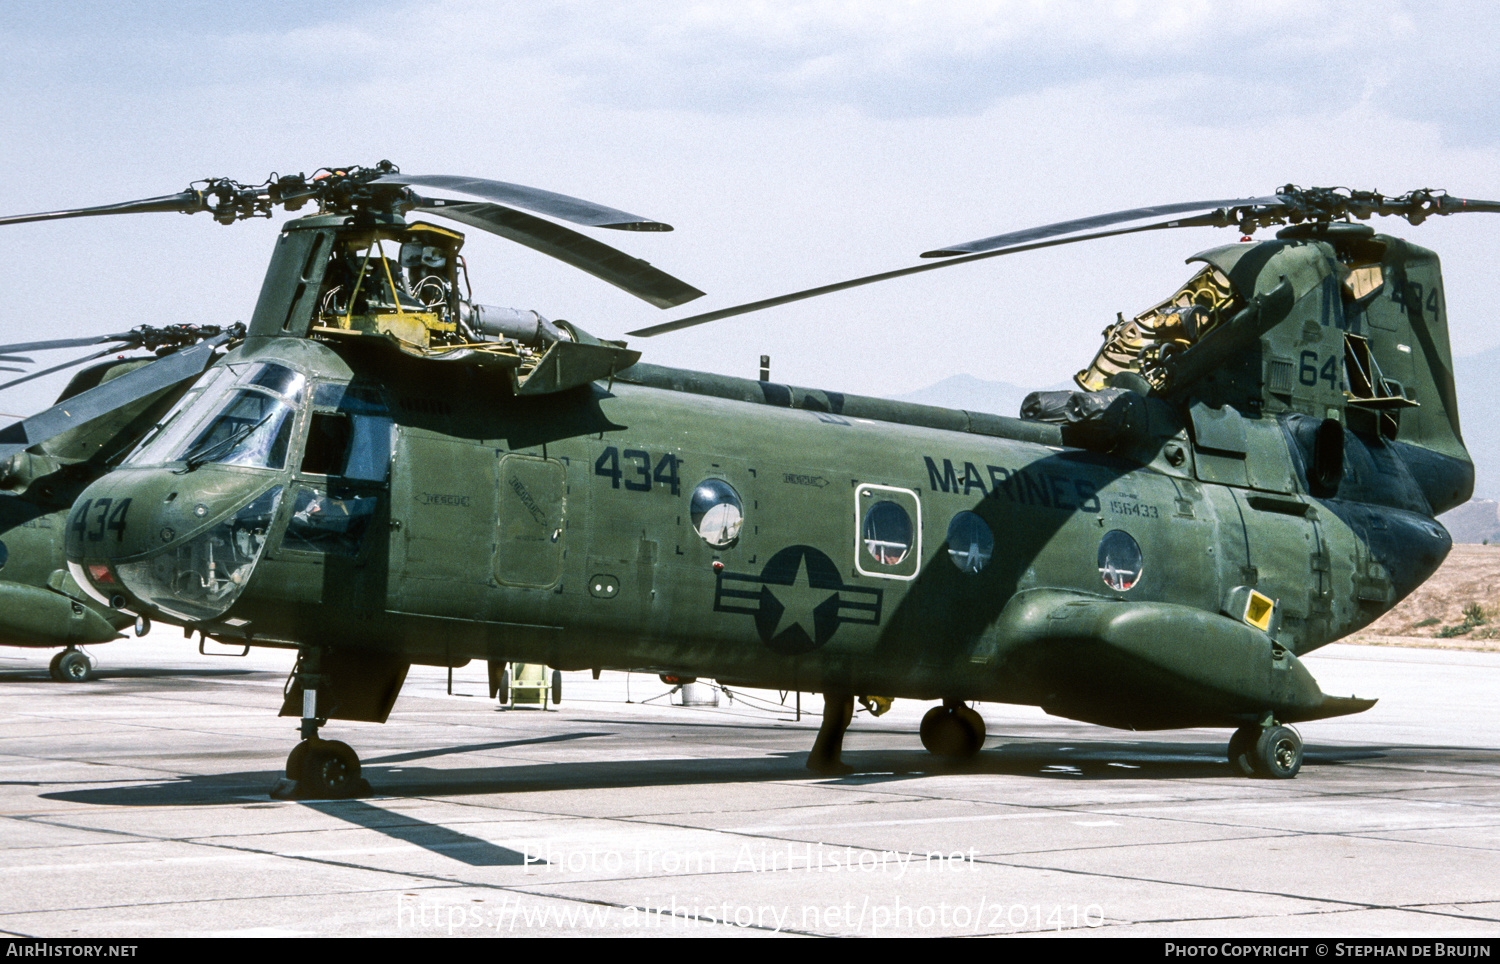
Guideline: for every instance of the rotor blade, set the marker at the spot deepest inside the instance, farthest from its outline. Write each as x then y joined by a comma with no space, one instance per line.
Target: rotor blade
1098,221
15,359
597,258
187,202
126,336
57,368
1454,205
532,199
102,399
692,320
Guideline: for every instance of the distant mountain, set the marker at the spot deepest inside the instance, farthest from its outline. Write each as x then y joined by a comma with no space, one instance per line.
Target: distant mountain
1477,522
975,395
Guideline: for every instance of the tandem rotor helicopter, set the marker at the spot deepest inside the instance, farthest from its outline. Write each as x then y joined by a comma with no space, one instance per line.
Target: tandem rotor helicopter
379,471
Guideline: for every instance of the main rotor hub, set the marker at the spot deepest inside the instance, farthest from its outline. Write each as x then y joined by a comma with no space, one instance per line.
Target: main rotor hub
348,191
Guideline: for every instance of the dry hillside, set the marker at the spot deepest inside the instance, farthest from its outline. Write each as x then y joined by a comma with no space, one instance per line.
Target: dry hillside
1459,607
1477,521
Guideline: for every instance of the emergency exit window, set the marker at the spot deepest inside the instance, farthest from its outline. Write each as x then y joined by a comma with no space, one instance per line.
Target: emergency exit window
888,531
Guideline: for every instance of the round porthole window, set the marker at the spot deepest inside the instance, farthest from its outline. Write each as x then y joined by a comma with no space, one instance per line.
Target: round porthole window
717,512
1119,560
887,533
970,542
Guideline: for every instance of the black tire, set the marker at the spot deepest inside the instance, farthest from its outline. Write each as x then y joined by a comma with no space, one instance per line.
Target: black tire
1278,753
1242,750
71,666
974,724
556,687
330,769
951,732
502,693
295,759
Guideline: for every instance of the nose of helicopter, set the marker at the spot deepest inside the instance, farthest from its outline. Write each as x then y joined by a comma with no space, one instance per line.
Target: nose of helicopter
173,543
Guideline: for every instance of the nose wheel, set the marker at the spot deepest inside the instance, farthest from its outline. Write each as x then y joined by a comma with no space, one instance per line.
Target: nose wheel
327,769
1273,752
318,768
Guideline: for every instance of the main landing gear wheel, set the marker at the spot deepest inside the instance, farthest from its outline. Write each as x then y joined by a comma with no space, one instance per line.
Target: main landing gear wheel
322,769
955,732
1274,752
71,666
1278,753
1242,750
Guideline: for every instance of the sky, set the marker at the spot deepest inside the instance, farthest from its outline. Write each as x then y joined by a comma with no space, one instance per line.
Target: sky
791,145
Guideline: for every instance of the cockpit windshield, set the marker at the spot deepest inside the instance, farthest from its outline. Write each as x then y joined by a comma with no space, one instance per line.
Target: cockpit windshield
243,415
249,429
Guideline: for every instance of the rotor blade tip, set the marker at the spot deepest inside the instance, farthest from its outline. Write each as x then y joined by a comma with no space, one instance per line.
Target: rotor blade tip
638,226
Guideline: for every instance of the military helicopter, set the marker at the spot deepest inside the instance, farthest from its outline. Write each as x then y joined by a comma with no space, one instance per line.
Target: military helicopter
47,460
383,472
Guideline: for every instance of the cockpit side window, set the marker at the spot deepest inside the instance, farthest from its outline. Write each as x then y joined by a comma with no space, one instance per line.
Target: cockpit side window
328,524
353,443
369,449
349,442
327,444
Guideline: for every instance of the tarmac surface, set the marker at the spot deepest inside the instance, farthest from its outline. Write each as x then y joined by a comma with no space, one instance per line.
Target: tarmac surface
136,806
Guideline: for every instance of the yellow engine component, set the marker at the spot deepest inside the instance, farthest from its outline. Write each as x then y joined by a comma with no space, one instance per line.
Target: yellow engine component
1171,326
